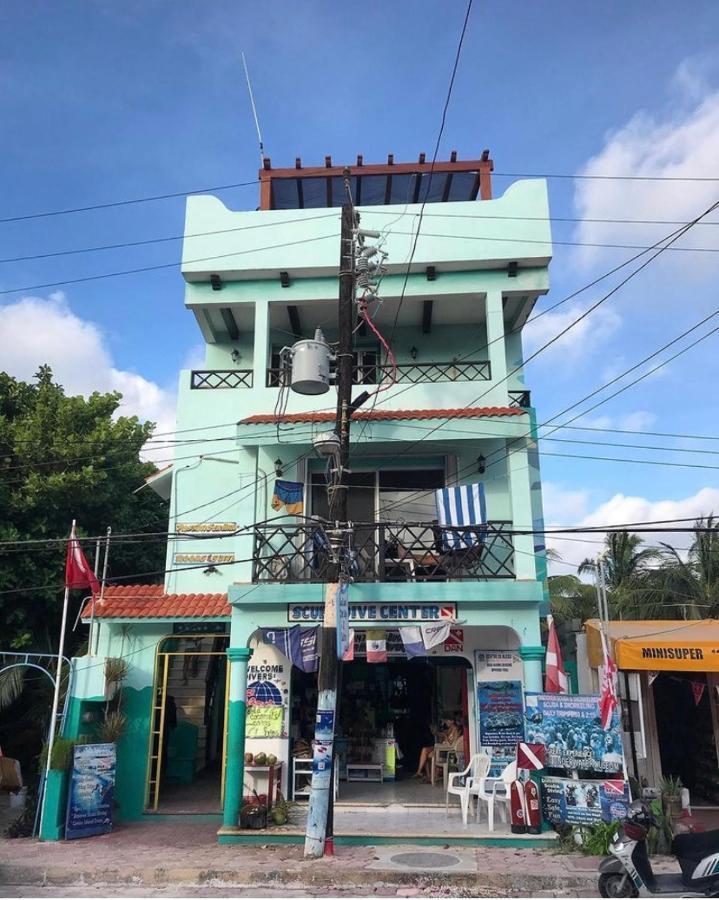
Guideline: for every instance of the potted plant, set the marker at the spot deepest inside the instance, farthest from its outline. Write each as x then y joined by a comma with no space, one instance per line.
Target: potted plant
671,789
254,813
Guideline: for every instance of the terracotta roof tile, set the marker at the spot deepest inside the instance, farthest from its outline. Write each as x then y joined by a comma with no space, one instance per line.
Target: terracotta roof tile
387,415
149,601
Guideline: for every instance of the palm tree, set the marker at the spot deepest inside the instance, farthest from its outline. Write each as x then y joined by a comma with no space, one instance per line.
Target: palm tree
694,582
627,574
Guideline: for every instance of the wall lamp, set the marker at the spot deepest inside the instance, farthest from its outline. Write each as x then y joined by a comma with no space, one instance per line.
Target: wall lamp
216,282
413,352
278,468
481,465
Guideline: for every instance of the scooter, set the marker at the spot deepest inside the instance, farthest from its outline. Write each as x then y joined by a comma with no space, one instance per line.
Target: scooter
627,871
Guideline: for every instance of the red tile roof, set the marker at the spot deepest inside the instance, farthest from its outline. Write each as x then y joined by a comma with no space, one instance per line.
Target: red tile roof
389,415
149,601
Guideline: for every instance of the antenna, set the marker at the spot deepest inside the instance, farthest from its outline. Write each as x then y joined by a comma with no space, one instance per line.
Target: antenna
254,109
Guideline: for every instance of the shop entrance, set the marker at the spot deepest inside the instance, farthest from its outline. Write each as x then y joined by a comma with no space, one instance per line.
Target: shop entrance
188,737
387,713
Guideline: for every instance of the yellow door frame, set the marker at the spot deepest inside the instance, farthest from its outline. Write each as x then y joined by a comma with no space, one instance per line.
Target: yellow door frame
152,785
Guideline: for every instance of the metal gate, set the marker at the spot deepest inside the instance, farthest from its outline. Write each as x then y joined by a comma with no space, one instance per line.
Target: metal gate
159,708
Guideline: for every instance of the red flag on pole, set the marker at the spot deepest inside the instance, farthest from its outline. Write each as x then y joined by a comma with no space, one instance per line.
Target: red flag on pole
608,698
555,679
78,573
698,691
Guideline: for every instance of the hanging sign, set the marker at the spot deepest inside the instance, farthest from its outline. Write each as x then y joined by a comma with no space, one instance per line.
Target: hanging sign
570,727
377,612
92,787
496,665
343,619
501,713
570,802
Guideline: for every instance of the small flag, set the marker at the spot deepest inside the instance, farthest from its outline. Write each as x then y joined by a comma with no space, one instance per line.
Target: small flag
434,634
376,645
614,787
290,495
349,654
555,681
412,640
78,573
652,677
455,641
530,756
298,644
698,691
608,698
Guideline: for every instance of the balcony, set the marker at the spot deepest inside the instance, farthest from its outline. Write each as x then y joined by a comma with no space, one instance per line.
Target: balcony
520,399
408,373
384,552
210,379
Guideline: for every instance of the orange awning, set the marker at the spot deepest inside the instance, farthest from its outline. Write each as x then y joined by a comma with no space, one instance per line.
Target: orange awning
657,645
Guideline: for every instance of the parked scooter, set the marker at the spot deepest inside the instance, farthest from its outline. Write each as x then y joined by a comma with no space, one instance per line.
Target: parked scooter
627,872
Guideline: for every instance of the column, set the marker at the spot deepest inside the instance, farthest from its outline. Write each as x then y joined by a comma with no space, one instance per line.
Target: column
520,494
532,657
261,343
496,350
238,658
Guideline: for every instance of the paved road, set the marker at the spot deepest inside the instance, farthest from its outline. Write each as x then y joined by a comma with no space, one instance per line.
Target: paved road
190,891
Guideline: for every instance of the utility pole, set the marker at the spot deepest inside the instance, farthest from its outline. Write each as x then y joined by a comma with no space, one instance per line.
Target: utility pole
319,836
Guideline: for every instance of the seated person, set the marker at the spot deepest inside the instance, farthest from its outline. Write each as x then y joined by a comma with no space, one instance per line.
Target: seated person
450,734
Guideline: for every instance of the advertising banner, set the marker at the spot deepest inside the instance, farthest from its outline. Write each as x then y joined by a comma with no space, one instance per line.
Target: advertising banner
569,725
583,802
377,612
92,786
343,619
501,713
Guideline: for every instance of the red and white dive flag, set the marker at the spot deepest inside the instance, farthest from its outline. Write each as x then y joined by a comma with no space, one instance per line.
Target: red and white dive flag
78,573
555,679
608,697
376,646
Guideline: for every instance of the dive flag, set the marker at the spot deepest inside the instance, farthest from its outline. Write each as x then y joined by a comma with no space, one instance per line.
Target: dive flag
78,573
412,640
530,756
376,645
608,697
349,654
555,680
436,633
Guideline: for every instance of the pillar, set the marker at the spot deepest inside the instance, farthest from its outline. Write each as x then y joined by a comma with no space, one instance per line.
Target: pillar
532,657
238,658
496,349
520,496
261,343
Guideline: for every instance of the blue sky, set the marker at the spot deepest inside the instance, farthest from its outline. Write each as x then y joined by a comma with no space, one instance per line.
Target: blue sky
106,100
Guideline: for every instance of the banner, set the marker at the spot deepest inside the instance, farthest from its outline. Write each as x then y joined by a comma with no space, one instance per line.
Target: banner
92,787
343,619
501,713
569,802
569,725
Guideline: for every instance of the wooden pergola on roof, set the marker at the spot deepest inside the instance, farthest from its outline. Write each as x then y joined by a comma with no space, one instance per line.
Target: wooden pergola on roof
376,185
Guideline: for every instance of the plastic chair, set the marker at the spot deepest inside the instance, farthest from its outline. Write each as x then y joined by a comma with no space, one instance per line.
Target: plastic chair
477,769
495,790
437,760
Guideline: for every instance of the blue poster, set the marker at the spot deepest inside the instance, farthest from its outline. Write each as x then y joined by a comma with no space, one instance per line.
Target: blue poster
501,713
343,619
92,787
569,802
569,726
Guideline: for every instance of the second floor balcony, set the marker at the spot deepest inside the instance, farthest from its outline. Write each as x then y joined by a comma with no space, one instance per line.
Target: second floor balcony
384,552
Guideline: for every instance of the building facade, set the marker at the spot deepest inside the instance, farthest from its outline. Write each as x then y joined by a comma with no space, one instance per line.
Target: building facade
456,411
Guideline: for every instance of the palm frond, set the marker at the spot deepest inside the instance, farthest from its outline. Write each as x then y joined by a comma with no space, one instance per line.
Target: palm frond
12,684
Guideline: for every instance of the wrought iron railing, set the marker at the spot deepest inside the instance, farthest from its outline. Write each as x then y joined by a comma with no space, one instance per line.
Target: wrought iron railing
407,373
382,551
519,399
209,379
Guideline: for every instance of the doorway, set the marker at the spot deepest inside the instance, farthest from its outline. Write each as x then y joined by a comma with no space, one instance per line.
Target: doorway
188,736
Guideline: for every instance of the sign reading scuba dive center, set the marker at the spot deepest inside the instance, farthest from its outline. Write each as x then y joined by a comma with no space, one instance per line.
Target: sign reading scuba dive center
377,612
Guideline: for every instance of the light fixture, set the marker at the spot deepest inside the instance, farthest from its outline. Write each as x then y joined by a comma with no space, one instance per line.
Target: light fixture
216,282
413,352
278,468
481,464
210,570
235,356
285,279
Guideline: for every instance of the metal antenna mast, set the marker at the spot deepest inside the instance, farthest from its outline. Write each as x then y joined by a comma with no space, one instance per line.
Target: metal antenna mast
254,108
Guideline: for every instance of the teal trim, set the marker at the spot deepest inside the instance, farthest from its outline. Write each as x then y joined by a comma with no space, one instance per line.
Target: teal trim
239,654
237,715
132,749
369,840
55,805
532,652
176,818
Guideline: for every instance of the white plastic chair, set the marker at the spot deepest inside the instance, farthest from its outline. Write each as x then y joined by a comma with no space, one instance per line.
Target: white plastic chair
495,790
477,769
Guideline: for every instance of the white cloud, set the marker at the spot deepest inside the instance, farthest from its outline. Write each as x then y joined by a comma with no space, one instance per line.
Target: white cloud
683,140
36,331
565,506
583,340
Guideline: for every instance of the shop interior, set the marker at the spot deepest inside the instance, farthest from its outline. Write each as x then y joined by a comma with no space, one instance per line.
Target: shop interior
388,712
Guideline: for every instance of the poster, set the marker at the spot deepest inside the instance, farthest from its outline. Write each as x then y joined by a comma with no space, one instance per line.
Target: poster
264,721
565,801
343,619
501,713
498,665
92,787
569,726
267,695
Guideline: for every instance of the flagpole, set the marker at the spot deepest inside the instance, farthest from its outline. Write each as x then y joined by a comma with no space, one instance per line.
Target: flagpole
56,693
102,590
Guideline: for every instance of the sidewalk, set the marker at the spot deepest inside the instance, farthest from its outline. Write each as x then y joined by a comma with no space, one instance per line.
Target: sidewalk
158,854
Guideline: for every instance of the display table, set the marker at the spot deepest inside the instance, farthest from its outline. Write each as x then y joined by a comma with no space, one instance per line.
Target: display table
274,780
365,771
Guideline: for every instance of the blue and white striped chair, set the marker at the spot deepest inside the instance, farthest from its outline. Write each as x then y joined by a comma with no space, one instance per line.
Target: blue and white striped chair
462,520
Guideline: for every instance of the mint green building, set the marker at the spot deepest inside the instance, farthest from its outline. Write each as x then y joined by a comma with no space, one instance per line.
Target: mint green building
203,689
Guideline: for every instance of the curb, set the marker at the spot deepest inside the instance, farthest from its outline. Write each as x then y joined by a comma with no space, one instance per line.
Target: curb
494,884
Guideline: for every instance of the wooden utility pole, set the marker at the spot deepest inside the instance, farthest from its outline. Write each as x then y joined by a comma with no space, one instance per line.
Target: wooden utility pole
319,836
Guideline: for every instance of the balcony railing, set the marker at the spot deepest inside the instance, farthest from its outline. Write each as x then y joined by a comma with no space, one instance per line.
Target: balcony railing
374,551
408,373
209,379
520,399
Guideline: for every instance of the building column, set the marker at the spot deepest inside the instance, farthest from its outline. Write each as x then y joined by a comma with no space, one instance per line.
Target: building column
532,657
238,658
520,495
261,347
496,349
